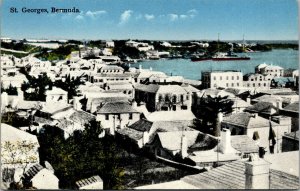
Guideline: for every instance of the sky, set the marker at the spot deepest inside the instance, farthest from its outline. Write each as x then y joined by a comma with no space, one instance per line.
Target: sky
153,20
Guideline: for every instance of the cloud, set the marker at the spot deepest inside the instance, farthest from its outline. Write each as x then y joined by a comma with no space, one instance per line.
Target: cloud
149,17
79,18
125,16
188,15
192,13
93,14
173,17
183,16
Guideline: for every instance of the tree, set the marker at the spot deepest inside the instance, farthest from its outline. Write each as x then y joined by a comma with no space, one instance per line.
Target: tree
69,85
211,107
40,85
10,90
82,155
13,119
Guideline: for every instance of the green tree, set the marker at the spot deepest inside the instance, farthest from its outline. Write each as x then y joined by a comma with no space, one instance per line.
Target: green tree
10,90
69,85
82,155
40,85
210,107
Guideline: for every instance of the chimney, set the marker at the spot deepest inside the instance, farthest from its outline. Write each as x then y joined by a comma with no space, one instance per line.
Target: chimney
257,173
4,99
248,100
112,129
76,103
145,138
220,117
254,115
184,147
150,68
225,145
278,105
20,94
140,67
134,104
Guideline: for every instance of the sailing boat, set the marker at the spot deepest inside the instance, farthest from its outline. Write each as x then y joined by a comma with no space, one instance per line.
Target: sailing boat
221,56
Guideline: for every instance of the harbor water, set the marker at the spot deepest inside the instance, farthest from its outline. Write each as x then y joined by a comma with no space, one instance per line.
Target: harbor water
286,58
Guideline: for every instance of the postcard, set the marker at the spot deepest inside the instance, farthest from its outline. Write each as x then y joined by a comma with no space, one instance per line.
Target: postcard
138,94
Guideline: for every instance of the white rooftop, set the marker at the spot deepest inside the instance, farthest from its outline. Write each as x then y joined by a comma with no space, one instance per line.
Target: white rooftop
177,184
287,162
171,115
12,134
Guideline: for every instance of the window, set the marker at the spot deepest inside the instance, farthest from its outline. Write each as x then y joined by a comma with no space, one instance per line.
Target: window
187,97
237,77
232,77
232,85
253,84
220,77
183,107
174,99
226,84
167,98
265,84
226,77
181,98
238,84
215,78
130,115
106,116
248,85
258,84
160,97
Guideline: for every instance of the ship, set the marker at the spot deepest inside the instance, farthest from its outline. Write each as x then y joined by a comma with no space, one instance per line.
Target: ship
228,56
200,57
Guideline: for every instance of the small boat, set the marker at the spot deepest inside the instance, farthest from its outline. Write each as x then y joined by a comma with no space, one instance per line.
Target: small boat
200,58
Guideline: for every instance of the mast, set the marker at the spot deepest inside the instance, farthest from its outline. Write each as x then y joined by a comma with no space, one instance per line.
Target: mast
243,42
218,43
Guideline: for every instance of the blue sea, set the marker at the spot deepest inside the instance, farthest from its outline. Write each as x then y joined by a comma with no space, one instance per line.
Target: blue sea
286,58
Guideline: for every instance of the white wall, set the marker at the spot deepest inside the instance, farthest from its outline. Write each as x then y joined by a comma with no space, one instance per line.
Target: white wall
114,122
45,179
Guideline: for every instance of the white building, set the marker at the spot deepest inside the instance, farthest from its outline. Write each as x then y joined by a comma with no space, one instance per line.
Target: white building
274,71
225,79
257,81
117,115
56,95
19,150
110,44
41,178
139,45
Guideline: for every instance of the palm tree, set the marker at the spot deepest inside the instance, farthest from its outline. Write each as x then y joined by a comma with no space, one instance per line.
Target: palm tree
211,108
